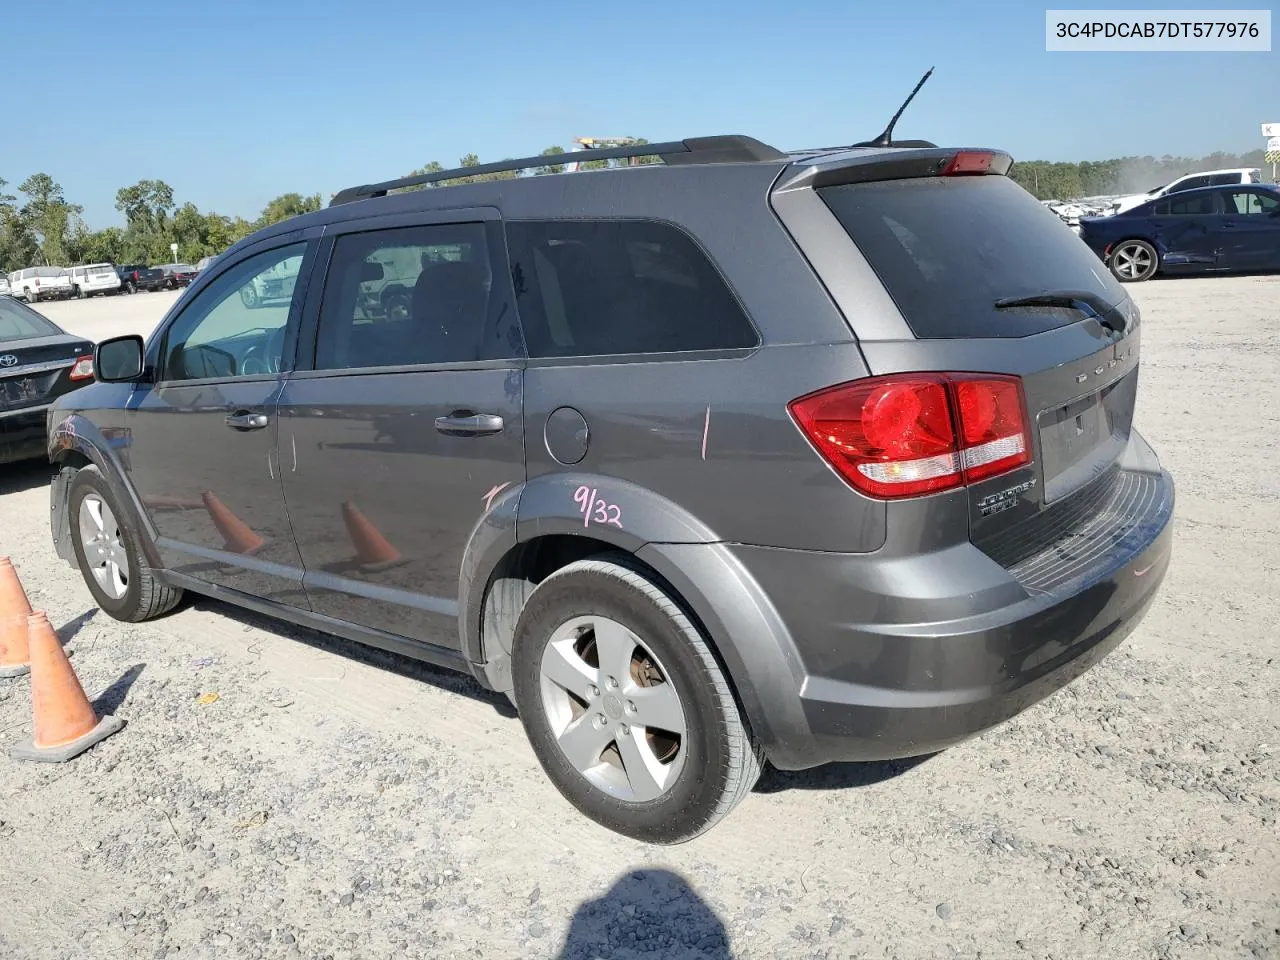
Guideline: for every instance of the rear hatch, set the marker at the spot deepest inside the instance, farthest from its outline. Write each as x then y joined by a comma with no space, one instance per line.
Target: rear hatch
36,359
103,275
989,281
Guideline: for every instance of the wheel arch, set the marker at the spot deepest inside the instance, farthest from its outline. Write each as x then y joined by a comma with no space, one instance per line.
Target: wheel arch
529,534
75,443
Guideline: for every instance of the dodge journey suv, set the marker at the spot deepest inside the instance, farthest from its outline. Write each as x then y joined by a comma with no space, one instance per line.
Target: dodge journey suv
741,456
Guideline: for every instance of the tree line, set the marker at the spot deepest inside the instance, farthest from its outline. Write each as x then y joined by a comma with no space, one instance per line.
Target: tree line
39,226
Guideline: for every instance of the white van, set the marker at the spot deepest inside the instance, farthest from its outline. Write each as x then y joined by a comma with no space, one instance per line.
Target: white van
95,278
39,283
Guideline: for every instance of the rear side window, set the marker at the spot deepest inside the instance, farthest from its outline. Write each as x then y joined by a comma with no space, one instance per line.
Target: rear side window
947,248
19,323
1197,206
616,287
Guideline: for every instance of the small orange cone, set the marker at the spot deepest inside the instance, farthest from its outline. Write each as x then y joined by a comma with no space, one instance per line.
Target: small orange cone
63,722
373,550
15,661
239,538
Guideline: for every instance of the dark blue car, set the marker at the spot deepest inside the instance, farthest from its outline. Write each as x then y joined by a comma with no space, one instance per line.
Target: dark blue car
1212,228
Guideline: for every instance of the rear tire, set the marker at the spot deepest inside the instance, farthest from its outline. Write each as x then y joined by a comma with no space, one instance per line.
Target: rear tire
109,554
605,668
1133,261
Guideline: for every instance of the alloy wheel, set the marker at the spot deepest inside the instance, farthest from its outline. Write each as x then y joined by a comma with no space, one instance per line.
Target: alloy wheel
102,541
612,709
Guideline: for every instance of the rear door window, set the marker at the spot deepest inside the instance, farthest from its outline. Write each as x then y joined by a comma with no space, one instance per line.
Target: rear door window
620,287
947,248
412,295
1201,205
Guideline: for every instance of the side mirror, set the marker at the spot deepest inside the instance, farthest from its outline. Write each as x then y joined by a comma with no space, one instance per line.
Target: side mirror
370,271
119,359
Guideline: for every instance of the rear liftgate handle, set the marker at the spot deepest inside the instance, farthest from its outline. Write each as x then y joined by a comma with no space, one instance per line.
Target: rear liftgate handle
464,423
244,420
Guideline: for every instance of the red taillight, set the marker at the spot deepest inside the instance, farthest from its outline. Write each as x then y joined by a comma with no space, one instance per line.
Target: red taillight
82,369
968,162
906,435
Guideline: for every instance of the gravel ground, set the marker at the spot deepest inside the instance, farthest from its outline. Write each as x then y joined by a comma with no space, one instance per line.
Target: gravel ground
341,803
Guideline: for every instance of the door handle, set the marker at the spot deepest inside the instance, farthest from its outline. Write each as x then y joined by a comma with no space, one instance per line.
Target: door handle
470,424
247,421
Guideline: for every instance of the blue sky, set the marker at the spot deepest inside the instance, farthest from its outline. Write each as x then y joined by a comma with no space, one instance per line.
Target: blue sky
236,102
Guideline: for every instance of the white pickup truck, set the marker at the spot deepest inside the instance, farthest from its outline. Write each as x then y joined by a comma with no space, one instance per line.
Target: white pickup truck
1192,181
39,283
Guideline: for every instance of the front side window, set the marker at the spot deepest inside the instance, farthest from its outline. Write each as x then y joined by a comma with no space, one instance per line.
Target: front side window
410,295
617,287
1249,202
1197,206
235,327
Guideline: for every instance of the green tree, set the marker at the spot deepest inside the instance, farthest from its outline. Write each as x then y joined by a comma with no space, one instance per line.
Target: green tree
288,205
146,205
551,167
48,216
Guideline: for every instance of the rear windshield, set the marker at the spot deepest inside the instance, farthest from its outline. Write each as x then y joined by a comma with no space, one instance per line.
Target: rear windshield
947,248
20,323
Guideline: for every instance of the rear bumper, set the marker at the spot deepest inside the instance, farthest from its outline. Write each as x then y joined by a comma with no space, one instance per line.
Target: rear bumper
23,433
875,682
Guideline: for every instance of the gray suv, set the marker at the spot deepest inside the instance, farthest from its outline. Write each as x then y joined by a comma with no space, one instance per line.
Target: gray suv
743,456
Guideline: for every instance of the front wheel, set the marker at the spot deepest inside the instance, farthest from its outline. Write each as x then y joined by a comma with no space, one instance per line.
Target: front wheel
1134,261
109,556
78,293
249,296
626,707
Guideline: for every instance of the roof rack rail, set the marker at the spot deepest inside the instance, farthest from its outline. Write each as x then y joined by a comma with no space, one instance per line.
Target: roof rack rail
726,149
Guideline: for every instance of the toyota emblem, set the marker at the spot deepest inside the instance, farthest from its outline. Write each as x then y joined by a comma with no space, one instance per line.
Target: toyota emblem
8,360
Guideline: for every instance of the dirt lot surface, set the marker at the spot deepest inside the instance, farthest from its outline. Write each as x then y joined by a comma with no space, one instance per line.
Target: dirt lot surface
339,803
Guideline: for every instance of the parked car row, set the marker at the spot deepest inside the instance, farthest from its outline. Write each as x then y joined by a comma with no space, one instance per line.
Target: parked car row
33,284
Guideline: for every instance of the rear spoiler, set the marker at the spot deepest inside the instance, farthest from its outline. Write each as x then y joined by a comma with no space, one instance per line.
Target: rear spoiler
867,166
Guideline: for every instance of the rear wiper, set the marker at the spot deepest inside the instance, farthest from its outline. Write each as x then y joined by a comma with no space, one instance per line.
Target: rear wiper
1082,300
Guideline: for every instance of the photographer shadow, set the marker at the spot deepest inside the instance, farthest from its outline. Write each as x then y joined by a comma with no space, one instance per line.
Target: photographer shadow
652,912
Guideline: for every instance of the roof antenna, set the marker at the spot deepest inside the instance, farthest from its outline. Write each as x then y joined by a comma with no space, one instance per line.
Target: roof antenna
886,139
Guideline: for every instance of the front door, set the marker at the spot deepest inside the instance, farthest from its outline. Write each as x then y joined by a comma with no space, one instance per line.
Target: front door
203,453
1251,230
408,425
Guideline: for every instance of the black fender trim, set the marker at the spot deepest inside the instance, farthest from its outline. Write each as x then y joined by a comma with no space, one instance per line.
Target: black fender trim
630,517
69,432
749,637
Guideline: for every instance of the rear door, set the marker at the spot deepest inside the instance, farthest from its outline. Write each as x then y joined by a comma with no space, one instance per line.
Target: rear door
1189,230
409,420
948,250
1251,229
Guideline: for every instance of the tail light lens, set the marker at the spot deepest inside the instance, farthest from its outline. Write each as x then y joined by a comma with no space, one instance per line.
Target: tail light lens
969,163
82,369
912,434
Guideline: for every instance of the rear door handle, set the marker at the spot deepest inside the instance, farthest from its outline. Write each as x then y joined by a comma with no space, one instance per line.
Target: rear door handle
247,421
470,425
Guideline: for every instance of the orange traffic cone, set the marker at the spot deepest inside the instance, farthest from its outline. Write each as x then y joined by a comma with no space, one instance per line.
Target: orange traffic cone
373,550
63,722
15,661
239,538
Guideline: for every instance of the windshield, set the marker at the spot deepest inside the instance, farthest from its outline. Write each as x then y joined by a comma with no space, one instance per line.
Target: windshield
947,248
18,322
